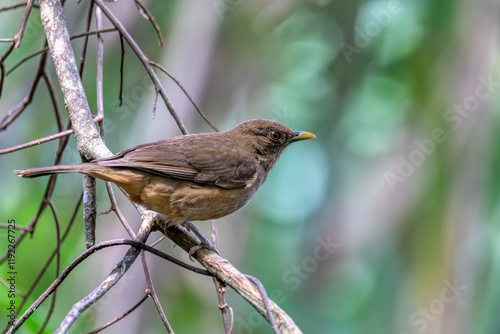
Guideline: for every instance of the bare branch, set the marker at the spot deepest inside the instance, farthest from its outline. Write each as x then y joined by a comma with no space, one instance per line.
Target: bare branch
120,317
37,279
88,141
144,60
48,193
227,273
116,209
147,15
202,114
151,292
155,101
266,300
220,287
58,264
158,241
41,140
116,274
2,77
24,21
89,182
45,49
16,5
110,243
53,98
86,39
122,60
100,57
89,209
21,106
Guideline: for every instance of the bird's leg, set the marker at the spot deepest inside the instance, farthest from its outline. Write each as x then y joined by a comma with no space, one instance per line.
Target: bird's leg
204,242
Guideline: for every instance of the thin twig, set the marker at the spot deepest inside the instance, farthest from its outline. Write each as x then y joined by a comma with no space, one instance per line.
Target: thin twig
53,98
41,140
145,62
122,60
227,273
116,209
266,300
9,286
2,77
21,106
151,19
45,49
22,61
15,6
83,54
37,279
58,264
93,32
88,141
13,113
100,57
158,241
7,53
120,317
202,114
155,101
20,228
221,289
85,255
24,21
48,193
152,293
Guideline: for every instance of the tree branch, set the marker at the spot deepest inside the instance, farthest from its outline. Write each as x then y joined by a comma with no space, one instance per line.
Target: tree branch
88,140
120,317
144,60
231,276
116,274
137,246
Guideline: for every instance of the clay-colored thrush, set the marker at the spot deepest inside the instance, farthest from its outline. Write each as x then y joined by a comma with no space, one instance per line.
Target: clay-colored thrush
192,177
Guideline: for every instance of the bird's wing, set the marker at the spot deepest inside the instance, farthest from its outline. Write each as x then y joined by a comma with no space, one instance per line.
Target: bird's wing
225,164
188,158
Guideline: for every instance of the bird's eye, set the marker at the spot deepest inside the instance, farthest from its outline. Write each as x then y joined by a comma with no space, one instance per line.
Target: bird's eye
275,136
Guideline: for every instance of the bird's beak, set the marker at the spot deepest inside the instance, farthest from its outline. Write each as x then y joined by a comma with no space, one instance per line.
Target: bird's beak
302,135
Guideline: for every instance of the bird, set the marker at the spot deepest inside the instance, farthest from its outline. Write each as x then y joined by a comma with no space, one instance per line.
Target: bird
192,177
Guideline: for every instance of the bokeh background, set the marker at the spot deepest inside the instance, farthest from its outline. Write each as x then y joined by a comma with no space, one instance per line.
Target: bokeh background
387,222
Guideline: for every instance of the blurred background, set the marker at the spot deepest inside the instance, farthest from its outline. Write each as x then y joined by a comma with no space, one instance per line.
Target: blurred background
387,222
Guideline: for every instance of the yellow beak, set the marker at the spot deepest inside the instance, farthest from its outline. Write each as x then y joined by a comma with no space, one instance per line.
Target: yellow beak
302,135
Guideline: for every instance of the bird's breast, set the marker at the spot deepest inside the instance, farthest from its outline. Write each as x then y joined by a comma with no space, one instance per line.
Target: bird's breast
178,201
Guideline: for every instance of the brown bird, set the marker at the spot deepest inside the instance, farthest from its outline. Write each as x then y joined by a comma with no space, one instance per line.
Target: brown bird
192,177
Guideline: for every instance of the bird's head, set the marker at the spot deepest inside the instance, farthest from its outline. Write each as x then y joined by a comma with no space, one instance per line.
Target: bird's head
269,139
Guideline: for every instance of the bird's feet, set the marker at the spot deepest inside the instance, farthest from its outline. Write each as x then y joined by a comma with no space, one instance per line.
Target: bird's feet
204,242
202,245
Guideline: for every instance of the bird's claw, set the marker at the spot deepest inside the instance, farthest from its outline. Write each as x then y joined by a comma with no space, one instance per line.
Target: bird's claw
202,245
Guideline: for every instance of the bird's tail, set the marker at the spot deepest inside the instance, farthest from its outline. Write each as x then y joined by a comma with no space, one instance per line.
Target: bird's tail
58,169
